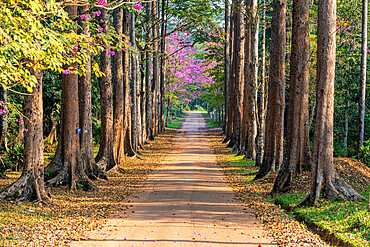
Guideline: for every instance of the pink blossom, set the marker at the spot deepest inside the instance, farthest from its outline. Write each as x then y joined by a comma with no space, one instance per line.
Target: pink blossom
67,72
111,53
100,29
96,13
102,2
84,16
138,6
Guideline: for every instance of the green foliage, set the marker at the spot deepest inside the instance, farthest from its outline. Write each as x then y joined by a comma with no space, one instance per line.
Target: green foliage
364,155
13,158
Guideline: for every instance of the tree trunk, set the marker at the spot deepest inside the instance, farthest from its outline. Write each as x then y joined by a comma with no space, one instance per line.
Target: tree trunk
323,171
262,109
126,88
297,141
105,156
84,97
362,101
67,165
3,118
52,137
118,93
238,60
30,186
252,84
276,93
247,77
227,64
230,91
149,82
134,72
163,70
155,71
345,139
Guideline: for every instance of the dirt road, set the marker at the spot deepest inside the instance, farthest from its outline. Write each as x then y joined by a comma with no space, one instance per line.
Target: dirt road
186,203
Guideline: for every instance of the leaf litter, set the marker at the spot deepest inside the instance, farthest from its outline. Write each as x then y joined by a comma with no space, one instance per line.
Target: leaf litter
75,215
282,228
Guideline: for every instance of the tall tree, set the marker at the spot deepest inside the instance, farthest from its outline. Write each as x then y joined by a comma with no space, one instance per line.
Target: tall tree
67,167
323,172
84,97
251,82
297,140
262,93
163,65
273,155
105,156
3,118
148,78
227,64
155,85
362,101
118,94
134,71
238,60
30,186
126,87
230,91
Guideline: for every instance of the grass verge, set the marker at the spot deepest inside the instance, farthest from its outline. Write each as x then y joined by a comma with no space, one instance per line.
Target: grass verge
209,121
176,123
343,223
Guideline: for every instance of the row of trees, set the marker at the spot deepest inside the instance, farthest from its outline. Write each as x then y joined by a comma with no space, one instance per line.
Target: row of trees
259,122
120,46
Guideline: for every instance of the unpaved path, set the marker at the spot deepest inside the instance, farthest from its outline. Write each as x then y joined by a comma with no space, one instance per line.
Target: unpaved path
186,203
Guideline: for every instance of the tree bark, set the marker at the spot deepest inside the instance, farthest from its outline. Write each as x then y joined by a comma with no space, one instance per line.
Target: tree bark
134,71
345,138
148,79
118,93
129,151
105,156
362,101
297,152
155,85
3,118
84,97
230,91
252,83
238,60
262,94
227,64
30,186
276,93
67,165
323,172
163,70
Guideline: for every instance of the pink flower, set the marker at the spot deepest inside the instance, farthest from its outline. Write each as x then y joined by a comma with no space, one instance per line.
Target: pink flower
84,16
111,53
102,2
138,6
99,35
67,72
100,29
25,130
96,13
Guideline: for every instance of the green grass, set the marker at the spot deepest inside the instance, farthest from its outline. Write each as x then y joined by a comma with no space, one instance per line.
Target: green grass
210,123
349,221
176,123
